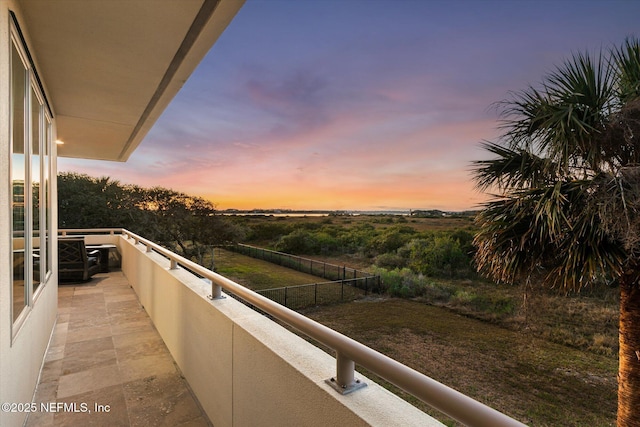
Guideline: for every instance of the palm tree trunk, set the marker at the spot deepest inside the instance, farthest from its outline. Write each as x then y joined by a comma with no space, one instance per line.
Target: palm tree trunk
629,370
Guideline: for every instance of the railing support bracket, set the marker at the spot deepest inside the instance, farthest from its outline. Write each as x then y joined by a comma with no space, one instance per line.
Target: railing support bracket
345,382
216,292
357,385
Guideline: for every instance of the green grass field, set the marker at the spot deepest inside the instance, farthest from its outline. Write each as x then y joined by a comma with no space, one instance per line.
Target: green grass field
258,274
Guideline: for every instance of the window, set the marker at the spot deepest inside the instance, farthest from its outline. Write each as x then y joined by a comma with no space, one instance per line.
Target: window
18,179
38,248
46,241
31,138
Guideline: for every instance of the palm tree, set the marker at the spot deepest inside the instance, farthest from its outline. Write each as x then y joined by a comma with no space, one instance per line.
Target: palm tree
565,175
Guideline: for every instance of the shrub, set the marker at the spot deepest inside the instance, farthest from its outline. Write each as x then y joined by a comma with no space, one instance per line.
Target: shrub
297,242
440,256
402,283
497,306
436,292
390,261
325,243
357,238
391,239
462,297
302,241
268,231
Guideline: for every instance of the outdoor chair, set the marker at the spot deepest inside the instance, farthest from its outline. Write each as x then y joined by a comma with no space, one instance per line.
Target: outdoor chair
75,264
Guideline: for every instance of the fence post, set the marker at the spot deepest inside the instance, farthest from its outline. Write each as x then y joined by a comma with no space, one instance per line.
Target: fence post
342,291
315,296
285,296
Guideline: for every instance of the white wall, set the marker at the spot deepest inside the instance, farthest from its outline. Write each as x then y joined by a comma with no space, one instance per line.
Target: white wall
21,351
245,369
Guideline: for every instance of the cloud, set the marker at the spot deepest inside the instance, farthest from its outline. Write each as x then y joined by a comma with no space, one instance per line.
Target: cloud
305,105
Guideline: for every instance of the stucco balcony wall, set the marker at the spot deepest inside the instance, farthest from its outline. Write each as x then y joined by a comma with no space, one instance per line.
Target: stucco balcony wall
245,369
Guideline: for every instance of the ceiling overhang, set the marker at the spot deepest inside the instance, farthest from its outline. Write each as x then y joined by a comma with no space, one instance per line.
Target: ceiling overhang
110,68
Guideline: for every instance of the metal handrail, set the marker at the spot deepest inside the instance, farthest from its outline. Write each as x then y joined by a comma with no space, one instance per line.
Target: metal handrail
112,231
349,352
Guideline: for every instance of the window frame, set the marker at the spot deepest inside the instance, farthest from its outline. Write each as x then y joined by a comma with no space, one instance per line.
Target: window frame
41,167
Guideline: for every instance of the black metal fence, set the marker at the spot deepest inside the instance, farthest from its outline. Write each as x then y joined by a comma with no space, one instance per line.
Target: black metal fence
301,296
314,267
346,283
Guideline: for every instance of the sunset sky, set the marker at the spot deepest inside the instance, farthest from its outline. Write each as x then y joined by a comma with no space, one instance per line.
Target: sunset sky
357,105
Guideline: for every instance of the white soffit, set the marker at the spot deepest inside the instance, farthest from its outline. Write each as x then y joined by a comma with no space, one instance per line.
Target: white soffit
111,67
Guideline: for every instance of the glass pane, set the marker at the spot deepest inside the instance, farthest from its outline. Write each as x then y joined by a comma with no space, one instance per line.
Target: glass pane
18,88
47,198
36,123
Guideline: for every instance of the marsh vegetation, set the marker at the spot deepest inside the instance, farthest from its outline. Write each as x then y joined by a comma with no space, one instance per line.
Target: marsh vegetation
540,355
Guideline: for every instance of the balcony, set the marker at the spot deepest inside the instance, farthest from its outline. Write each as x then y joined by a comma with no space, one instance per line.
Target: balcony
154,344
106,354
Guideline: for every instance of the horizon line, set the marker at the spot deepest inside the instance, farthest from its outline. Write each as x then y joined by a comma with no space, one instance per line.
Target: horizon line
287,210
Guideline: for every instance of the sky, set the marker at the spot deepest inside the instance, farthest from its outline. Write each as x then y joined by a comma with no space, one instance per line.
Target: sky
357,104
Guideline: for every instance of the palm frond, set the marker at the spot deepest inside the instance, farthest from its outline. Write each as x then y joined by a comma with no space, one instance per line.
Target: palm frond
512,168
627,61
523,116
561,118
549,231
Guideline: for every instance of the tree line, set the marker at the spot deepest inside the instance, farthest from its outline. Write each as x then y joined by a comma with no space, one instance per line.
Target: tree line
187,225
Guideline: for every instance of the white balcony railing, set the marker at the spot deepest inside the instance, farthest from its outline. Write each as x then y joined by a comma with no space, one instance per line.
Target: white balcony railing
348,351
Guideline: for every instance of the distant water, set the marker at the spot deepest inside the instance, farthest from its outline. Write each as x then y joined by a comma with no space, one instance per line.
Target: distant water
315,214
296,214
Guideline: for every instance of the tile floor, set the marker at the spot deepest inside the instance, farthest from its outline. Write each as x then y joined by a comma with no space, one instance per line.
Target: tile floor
107,365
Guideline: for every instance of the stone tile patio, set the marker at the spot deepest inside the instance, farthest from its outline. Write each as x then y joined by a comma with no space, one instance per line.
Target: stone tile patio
107,365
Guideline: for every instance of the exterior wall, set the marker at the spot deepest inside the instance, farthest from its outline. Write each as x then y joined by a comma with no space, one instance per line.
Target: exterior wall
245,369
21,352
